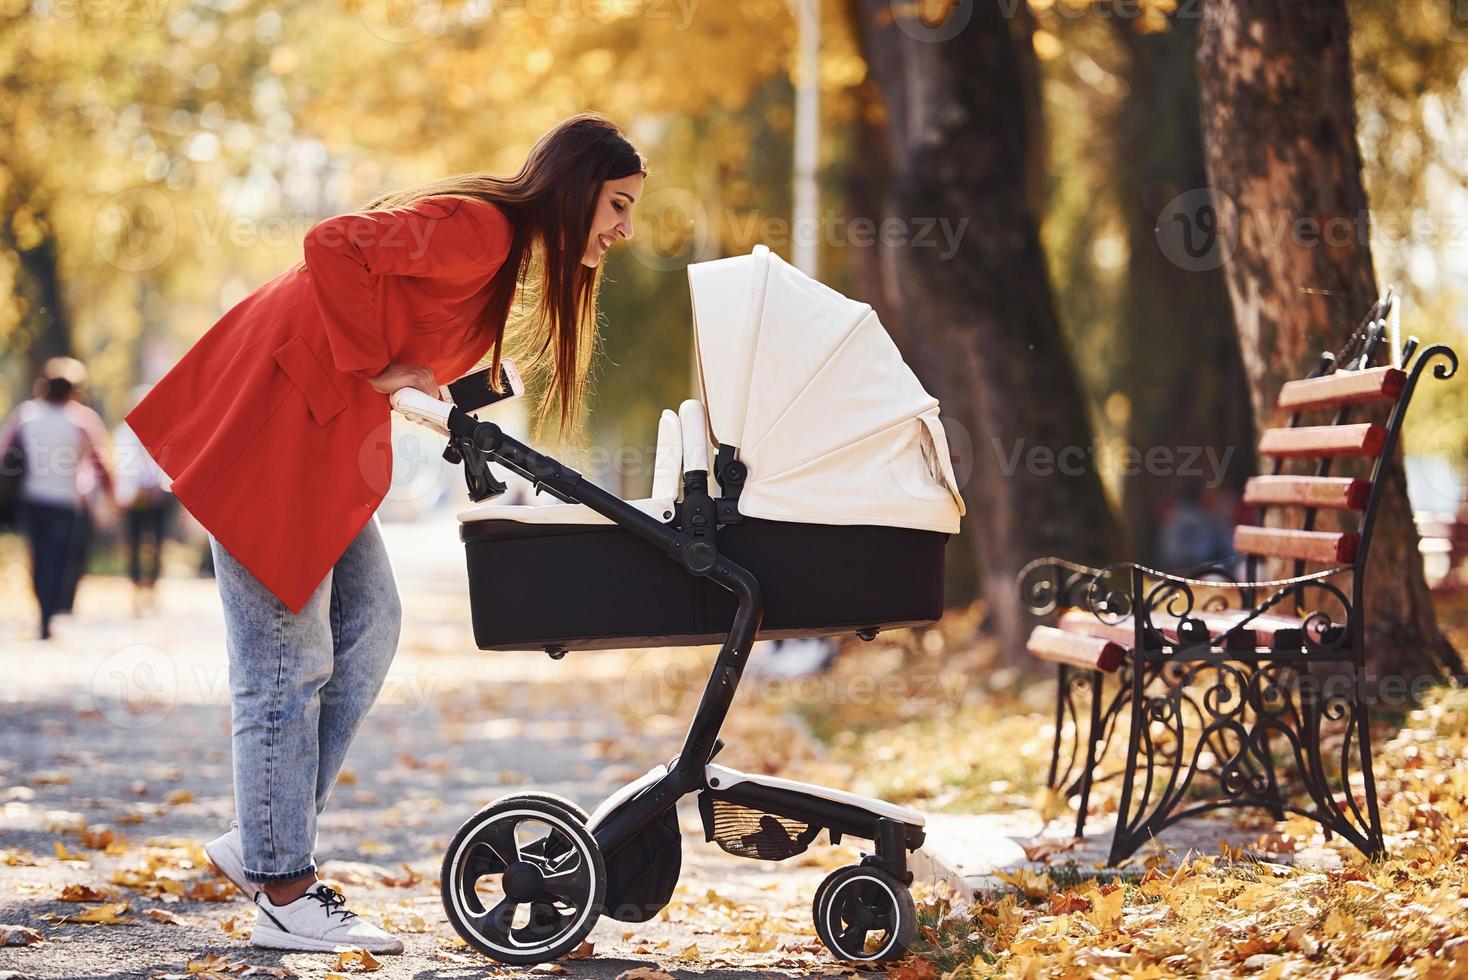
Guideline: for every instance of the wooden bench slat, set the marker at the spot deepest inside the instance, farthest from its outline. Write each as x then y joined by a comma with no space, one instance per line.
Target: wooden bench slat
1340,492
1075,649
1382,384
1083,621
1260,631
1316,441
1330,547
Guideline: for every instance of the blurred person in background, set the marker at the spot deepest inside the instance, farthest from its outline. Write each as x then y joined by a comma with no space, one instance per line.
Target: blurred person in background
62,441
148,509
1197,529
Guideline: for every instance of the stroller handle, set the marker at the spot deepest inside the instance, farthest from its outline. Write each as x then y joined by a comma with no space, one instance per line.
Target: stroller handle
416,405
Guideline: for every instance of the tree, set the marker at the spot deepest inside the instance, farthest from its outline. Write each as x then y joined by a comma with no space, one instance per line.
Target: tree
958,130
119,131
1179,362
1280,131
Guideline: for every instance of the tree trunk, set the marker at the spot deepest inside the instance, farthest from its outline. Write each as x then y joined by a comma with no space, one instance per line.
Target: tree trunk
957,137
44,330
46,318
1280,132
873,280
1180,366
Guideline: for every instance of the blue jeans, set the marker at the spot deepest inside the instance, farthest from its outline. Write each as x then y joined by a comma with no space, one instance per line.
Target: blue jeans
300,684
54,533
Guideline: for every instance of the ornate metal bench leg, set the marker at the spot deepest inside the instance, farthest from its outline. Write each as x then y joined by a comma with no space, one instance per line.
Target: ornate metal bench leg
1265,756
1122,844
1361,829
1062,680
1310,716
1376,845
1093,735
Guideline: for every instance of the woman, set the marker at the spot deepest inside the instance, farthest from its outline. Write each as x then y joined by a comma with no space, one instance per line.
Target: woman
275,430
61,440
142,494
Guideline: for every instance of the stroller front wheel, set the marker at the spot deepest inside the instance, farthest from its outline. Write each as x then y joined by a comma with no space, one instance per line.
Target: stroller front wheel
523,880
864,913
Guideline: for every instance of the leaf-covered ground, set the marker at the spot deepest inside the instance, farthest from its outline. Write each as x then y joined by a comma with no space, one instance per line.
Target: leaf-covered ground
984,745
114,768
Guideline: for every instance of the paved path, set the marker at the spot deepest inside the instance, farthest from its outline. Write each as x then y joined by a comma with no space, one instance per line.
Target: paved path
121,726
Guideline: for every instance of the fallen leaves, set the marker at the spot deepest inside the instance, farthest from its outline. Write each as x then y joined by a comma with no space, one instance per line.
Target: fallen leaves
105,839
1234,913
109,914
1031,883
234,930
84,893
216,966
1105,911
357,961
172,870
62,854
11,935
1047,849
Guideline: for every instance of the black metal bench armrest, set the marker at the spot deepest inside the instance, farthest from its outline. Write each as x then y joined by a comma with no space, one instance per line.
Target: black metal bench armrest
1032,580
1048,583
1114,593
1278,583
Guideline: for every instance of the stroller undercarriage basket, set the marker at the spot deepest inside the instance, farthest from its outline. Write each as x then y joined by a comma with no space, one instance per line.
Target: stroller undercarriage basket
747,832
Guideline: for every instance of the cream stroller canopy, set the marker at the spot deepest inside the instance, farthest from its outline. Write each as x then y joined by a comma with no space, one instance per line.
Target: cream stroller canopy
811,391
835,492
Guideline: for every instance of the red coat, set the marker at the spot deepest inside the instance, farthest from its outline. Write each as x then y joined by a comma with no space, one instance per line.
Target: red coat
274,439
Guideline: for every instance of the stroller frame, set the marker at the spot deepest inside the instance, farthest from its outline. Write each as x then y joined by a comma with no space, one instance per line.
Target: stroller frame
690,540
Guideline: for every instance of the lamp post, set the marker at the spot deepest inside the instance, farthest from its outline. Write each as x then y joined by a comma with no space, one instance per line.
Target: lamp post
805,251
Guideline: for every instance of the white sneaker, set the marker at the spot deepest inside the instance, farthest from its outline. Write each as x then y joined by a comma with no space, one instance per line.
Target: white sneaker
318,921
228,855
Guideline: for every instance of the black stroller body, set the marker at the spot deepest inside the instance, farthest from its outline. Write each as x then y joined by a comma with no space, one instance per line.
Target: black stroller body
824,510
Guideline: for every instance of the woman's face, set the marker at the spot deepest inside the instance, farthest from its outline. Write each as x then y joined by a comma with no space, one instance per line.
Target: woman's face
613,216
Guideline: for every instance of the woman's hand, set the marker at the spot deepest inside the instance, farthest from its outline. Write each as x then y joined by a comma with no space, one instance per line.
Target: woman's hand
405,376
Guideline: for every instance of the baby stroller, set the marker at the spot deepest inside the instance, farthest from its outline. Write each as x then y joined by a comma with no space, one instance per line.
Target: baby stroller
832,497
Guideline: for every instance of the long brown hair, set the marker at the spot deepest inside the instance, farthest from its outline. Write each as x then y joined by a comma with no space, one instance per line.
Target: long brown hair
550,204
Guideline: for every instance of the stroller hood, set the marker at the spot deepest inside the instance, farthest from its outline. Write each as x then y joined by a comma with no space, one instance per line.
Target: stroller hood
813,394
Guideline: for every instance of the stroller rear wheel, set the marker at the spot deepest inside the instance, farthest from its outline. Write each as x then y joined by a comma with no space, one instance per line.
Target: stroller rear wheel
523,881
864,913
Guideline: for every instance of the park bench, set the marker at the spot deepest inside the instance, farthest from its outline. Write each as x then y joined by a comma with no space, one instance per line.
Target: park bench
1226,684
